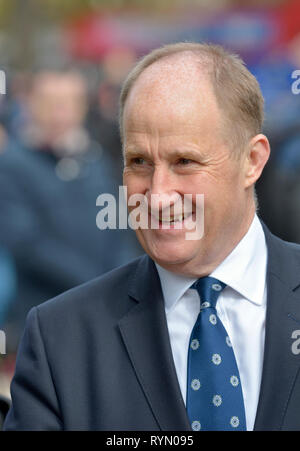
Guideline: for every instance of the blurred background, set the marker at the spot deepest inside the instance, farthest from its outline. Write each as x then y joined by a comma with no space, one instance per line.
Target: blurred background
64,62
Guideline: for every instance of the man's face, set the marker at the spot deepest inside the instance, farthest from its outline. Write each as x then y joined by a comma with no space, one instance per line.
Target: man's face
174,145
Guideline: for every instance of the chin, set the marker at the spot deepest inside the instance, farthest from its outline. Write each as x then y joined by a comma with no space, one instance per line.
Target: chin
166,251
171,257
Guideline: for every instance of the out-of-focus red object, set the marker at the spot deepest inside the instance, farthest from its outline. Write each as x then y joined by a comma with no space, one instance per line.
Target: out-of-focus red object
94,36
288,15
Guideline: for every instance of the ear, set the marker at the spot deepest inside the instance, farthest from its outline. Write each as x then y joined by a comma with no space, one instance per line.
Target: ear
257,156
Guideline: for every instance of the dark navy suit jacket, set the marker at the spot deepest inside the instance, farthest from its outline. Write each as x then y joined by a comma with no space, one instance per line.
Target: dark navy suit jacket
98,357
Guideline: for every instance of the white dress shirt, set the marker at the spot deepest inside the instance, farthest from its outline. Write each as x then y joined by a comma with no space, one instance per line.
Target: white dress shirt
241,307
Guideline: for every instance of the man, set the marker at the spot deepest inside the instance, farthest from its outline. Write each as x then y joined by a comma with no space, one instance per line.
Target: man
122,352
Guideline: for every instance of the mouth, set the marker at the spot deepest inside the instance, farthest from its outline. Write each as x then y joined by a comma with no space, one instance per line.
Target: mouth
171,222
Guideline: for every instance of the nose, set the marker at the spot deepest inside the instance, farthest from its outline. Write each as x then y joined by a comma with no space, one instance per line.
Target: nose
162,193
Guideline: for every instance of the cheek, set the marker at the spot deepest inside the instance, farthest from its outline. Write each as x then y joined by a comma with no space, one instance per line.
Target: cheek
220,195
135,186
222,202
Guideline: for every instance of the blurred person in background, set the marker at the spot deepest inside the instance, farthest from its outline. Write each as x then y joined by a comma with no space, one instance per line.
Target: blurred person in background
103,115
50,177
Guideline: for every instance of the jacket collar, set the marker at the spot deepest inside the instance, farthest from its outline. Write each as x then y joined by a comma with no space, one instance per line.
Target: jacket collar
145,335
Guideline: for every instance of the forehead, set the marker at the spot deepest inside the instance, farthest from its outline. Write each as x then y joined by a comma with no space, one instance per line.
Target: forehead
171,91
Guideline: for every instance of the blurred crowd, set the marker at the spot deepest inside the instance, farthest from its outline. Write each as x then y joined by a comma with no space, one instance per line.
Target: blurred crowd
60,149
58,152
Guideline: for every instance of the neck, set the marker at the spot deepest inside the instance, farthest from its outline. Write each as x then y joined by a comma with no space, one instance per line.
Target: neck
204,264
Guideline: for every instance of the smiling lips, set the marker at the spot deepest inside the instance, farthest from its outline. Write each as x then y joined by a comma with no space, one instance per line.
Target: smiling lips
168,220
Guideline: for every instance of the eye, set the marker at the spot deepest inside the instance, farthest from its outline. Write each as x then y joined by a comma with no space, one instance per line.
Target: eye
184,161
137,161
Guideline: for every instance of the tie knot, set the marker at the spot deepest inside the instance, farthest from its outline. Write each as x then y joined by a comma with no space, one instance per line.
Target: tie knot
209,289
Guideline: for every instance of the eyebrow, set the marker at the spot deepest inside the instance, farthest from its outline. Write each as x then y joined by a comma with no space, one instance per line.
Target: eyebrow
132,153
186,152
180,153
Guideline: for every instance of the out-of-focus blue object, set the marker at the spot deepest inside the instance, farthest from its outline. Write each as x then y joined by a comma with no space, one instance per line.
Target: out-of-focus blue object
7,283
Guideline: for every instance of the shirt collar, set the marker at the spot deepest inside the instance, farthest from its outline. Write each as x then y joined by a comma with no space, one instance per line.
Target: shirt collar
173,286
244,270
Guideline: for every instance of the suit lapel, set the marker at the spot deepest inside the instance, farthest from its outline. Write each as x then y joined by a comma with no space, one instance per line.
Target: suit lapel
280,364
145,335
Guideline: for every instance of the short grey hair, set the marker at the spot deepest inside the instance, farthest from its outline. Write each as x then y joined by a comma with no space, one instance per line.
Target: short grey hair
237,91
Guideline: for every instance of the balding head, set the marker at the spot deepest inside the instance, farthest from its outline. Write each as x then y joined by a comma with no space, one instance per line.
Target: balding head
236,90
173,90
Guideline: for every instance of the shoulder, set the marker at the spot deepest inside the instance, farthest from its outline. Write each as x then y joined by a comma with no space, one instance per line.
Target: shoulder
281,246
17,161
13,152
85,315
283,258
107,292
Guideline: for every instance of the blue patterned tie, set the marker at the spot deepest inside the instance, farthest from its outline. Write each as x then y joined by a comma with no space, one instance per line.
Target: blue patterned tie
214,393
